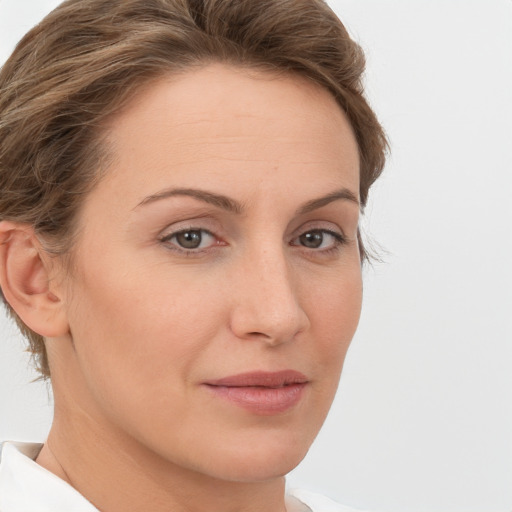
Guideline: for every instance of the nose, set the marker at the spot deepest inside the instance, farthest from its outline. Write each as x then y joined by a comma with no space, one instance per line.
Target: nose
267,304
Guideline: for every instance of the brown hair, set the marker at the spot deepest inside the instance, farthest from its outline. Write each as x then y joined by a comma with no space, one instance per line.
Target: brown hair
86,59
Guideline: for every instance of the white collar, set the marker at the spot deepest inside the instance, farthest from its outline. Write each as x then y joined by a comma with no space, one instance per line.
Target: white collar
26,486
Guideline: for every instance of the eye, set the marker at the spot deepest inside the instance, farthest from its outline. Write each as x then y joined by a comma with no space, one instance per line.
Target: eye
190,239
321,239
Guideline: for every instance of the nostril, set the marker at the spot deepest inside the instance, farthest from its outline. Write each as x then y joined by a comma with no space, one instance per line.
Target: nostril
268,311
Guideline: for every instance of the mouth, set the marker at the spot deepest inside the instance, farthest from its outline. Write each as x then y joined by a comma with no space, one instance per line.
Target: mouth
263,393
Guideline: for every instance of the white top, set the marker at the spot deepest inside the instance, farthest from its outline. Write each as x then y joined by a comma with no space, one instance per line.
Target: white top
27,487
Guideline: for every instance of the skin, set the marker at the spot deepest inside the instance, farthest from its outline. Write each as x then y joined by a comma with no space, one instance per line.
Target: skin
139,323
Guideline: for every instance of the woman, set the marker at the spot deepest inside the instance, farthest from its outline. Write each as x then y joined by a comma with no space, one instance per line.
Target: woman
181,186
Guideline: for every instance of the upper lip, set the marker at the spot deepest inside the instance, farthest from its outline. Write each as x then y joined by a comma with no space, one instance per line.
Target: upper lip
261,379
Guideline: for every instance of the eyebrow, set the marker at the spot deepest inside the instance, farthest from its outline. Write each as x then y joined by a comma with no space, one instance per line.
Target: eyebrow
315,204
223,202
232,206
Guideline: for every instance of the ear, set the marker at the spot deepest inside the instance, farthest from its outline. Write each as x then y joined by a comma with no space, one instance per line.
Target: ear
26,281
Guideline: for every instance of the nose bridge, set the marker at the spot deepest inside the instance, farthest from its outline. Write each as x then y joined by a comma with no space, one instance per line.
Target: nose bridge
268,304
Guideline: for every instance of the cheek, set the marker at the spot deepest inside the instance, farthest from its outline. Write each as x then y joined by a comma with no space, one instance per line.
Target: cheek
335,307
334,313
131,334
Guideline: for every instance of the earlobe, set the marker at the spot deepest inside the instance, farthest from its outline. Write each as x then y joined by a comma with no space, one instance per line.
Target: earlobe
26,282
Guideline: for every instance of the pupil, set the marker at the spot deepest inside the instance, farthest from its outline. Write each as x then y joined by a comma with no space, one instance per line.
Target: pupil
189,239
313,239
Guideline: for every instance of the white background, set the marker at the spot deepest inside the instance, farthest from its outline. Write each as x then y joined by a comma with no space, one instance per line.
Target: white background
423,421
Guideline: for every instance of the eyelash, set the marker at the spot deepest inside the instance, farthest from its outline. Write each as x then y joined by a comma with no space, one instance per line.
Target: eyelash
339,241
188,252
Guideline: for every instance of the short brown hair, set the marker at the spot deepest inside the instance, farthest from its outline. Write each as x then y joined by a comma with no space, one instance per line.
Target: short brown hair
86,59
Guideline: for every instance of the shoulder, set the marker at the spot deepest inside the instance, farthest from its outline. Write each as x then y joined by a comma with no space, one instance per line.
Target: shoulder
319,503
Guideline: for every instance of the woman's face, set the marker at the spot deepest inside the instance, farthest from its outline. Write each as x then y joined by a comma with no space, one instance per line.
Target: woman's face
216,282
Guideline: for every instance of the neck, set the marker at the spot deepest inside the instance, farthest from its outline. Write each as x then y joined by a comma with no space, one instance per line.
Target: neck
116,473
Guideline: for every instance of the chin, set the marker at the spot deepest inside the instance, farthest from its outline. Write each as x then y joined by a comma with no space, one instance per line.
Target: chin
259,461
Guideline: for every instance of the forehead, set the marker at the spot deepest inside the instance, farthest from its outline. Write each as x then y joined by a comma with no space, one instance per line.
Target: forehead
230,122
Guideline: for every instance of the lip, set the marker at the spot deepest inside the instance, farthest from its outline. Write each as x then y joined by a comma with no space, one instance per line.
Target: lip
260,392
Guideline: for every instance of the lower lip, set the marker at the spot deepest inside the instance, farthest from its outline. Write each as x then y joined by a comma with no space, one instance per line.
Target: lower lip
261,400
